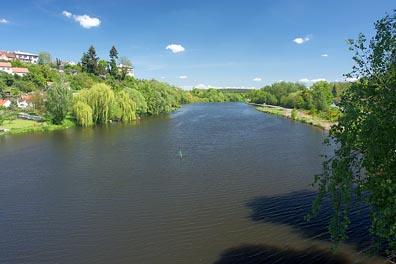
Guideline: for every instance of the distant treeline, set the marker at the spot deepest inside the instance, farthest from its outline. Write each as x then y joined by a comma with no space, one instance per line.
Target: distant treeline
319,96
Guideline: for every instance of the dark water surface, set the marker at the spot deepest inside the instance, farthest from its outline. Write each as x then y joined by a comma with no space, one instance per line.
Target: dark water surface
121,194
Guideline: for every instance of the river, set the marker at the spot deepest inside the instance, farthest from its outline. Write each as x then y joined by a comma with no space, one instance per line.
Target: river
122,194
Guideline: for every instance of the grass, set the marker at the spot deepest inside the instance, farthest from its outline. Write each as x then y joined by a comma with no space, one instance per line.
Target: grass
19,126
318,121
19,123
270,110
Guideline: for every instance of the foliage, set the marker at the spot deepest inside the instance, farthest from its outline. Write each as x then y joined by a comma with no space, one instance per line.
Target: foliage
38,101
364,163
322,95
59,99
113,70
44,57
101,68
89,61
100,98
138,98
83,114
124,108
294,114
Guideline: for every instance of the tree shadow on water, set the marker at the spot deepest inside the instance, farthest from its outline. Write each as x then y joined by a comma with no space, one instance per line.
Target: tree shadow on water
291,209
254,254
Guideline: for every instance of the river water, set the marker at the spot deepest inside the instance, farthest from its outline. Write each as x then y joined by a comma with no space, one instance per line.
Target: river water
122,194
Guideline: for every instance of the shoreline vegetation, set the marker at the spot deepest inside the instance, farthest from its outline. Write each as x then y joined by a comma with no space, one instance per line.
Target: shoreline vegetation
95,91
298,115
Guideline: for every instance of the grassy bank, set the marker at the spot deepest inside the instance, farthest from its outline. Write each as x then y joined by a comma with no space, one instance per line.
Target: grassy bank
20,126
299,116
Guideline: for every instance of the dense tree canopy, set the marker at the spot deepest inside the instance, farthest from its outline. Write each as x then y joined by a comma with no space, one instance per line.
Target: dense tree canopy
364,163
59,99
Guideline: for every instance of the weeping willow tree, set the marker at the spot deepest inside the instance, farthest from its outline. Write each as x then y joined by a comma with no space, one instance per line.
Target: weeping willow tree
83,114
364,162
123,108
100,98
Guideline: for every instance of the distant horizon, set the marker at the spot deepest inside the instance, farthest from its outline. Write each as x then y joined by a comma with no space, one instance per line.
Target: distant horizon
202,44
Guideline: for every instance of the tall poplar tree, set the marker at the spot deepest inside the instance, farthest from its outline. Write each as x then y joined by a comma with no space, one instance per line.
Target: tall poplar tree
92,60
113,70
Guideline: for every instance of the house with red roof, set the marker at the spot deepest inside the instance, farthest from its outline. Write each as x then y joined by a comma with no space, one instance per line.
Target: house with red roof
7,55
5,103
6,67
20,71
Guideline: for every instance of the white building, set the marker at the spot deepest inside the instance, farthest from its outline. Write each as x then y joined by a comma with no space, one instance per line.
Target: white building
5,103
6,67
26,57
20,71
130,71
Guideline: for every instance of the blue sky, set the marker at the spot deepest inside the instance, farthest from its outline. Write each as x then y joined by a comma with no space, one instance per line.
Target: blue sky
215,43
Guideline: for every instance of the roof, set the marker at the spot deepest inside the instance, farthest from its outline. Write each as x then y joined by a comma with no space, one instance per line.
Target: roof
8,54
20,70
26,97
5,64
3,102
25,53
124,66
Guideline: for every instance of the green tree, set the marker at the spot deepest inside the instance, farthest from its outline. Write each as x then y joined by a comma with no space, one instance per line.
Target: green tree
322,95
83,114
44,57
138,98
113,70
59,98
101,69
125,107
100,98
89,61
84,62
364,162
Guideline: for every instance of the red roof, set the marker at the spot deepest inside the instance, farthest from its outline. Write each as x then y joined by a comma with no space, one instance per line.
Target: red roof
3,102
20,70
5,64
8,54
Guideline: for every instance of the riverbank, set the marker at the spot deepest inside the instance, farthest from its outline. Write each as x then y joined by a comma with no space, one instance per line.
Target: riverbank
20,126
300,116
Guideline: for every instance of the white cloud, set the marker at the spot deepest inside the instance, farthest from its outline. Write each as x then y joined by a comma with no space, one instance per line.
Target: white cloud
162,77
183,77
201,86
175,48
4,21
257,79
306,80
325,55
84,20
207,86
351,79
302,40
299,40
66,14
87,21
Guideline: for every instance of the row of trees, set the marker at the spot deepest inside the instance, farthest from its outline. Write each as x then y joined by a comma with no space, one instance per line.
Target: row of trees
92,64
318,97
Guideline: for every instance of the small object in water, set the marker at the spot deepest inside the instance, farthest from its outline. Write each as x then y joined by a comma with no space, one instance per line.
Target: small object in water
180,154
